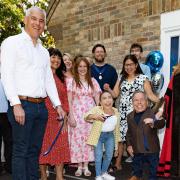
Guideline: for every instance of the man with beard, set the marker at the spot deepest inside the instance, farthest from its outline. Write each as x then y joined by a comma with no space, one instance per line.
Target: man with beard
104,73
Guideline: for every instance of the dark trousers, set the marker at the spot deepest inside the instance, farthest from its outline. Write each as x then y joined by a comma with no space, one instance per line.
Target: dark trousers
138,161
6,137
27,140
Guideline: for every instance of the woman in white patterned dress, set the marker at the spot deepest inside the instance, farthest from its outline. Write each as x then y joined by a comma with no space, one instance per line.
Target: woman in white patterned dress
132,79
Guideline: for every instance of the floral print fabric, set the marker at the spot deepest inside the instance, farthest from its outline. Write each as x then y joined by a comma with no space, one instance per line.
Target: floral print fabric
82,102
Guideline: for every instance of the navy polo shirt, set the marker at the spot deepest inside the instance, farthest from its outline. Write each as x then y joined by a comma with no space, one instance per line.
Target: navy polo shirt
137,118
104,74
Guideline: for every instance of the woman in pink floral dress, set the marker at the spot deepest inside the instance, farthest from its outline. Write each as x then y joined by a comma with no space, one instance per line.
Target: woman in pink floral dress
83,94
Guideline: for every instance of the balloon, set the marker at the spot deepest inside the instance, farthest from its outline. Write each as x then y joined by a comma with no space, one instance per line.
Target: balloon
155,61
157,82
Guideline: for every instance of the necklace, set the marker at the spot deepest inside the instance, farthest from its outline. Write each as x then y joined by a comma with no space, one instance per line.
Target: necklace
100,76
100,72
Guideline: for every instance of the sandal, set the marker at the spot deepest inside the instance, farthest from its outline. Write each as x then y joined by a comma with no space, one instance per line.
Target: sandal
87,172
114,168
78,171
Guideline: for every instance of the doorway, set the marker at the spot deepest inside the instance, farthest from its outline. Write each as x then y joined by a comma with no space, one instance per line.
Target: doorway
170,44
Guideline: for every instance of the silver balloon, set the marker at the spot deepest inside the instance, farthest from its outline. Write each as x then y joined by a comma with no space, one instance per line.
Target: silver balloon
157,82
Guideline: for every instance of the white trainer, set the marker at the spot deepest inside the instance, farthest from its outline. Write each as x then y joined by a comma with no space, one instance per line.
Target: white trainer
107,176
99,178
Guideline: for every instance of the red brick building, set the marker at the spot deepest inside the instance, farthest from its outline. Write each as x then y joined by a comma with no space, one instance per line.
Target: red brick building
79,24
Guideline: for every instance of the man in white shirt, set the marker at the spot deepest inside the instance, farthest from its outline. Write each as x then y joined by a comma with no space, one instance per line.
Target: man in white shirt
27,80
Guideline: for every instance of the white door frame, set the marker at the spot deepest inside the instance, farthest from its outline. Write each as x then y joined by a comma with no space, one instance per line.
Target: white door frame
170,27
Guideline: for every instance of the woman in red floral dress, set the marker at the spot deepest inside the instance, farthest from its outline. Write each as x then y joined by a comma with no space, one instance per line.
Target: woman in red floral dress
59,154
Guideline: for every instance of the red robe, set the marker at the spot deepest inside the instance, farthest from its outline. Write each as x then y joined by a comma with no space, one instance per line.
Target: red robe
169,158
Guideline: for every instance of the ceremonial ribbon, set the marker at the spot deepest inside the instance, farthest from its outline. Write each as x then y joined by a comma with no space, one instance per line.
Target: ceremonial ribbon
55,139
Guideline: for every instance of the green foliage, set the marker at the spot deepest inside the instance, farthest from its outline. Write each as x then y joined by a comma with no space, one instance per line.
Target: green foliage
11,18
47,39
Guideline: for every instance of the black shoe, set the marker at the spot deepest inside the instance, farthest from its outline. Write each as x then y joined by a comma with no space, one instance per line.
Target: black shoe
1,170
8,169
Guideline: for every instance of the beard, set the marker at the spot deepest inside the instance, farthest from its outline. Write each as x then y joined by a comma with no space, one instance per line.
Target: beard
99,60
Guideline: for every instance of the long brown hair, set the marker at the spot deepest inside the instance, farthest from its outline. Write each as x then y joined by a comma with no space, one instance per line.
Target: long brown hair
88,75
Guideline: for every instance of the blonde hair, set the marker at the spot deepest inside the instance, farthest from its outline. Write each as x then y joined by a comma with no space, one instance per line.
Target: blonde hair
69,56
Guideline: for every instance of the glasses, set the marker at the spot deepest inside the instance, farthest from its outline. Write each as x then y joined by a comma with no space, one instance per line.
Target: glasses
129,65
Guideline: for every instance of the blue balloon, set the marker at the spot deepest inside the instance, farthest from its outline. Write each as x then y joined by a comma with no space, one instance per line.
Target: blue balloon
155,61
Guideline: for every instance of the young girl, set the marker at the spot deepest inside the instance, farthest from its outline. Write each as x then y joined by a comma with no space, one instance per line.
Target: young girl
105,131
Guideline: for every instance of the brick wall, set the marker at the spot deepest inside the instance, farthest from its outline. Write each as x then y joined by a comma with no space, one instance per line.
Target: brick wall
79,24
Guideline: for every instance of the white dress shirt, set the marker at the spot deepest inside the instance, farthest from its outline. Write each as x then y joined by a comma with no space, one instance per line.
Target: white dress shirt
25,70
3,100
